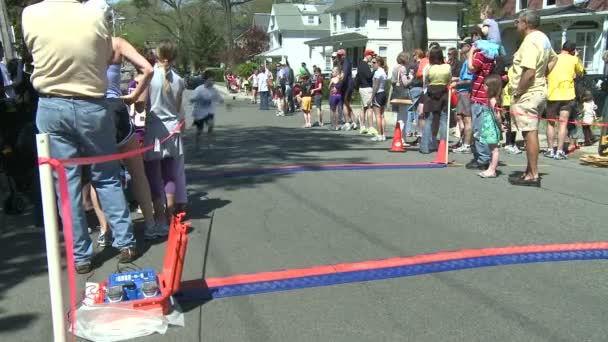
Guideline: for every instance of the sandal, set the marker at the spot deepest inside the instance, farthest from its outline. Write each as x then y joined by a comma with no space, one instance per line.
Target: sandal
535,182
485,175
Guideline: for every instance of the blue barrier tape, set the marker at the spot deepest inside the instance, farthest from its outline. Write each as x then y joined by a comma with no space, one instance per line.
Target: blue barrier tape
257,172
385,273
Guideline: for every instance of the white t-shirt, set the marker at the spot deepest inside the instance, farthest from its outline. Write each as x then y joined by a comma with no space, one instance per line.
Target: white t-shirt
380,75
262,81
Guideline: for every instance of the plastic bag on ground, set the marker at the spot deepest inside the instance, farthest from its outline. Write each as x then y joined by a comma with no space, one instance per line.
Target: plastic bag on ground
107,324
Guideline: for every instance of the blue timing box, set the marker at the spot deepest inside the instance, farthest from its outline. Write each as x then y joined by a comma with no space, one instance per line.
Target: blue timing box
132,284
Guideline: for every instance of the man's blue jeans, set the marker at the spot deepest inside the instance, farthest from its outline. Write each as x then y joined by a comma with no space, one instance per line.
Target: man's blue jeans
85,128
412,114
264,100
429,141
481,152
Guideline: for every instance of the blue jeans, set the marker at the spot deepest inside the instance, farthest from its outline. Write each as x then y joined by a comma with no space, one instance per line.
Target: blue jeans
412,115
291,105
429,141
264,100
85,128
481,152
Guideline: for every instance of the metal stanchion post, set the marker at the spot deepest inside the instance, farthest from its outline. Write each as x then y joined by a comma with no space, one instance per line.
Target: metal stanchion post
51,232
447,136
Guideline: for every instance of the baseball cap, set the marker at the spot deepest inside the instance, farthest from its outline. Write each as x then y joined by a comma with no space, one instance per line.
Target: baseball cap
341,52
369,52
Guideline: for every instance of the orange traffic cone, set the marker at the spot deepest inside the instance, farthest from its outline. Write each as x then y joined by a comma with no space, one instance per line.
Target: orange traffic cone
397,145
442,153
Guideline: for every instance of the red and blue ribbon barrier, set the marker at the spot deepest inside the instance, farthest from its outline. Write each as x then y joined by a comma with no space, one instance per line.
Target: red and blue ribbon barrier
249,284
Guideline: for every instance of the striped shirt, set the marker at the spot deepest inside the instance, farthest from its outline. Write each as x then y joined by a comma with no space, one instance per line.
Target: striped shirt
483,66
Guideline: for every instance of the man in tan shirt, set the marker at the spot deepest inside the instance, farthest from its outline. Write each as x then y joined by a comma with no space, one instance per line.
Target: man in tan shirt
71,45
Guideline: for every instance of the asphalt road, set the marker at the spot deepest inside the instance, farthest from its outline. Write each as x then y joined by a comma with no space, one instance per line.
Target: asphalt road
293,220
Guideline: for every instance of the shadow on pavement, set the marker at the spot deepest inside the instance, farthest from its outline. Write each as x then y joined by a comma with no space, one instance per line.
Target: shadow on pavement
238,148
22,257
16,322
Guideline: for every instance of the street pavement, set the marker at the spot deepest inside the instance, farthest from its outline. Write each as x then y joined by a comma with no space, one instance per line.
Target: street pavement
294,220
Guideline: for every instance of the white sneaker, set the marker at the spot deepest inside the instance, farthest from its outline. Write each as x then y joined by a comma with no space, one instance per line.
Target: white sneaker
383,137
513,149
346,127
376,137
462,149
354,126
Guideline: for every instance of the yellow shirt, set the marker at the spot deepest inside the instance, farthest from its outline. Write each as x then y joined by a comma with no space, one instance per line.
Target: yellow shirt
71,46
439,74
560,82
535,52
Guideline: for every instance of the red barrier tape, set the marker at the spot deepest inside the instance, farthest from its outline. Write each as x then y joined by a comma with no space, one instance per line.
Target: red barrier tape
574,122
66,213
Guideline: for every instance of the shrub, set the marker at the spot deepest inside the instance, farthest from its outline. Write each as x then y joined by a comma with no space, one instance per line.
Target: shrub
246,69
217,74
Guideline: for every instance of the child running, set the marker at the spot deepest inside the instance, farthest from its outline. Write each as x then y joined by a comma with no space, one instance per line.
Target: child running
335,98
306,87
204,99
490,132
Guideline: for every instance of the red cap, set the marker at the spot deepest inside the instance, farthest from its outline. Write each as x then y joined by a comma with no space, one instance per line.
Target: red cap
369,52
341,52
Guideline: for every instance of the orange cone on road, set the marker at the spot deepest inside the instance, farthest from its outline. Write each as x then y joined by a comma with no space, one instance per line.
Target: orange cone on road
442,153
397,145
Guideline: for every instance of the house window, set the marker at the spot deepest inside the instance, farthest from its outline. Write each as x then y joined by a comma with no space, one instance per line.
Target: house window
382,51
273,22
549,3
382,17
342,21
311,19
329,64
357,18
521,5
280,39
335,22
585,41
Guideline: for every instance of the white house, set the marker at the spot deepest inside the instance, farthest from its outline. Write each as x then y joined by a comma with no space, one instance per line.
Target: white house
376,24
582,22
290,26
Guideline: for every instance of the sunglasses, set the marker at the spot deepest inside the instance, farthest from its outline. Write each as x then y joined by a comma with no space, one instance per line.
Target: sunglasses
374,62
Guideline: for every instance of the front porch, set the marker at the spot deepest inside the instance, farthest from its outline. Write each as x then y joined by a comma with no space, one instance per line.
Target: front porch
354,44
587,28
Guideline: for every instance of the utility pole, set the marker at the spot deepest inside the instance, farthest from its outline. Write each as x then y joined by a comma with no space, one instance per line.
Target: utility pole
6,33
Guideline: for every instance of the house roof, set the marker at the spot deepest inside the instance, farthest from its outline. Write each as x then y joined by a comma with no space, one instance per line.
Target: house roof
345,4
560,10
336,39
288,17
261,20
